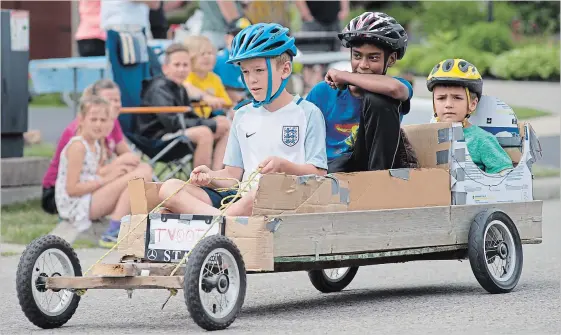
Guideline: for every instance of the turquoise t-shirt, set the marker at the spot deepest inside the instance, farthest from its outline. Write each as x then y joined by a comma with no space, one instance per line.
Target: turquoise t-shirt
485,150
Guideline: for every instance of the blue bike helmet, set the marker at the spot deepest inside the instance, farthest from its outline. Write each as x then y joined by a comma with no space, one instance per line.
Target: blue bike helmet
263,40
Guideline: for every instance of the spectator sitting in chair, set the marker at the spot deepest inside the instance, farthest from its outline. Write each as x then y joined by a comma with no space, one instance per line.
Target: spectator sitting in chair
208,135
210,87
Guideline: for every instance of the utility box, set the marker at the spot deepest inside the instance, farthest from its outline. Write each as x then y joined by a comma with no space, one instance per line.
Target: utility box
14,59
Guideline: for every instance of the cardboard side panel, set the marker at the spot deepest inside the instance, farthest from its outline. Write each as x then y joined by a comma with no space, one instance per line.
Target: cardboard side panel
431,143
403,188
321,234
279,193
134,244
254,237
527,216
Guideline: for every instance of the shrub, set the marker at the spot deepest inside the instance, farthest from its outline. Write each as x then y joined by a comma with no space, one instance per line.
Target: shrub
531,62
489,37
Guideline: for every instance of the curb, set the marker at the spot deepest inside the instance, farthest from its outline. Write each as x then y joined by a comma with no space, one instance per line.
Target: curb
547,188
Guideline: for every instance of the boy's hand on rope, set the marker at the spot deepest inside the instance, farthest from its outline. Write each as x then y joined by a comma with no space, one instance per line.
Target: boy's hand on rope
272,165
200,176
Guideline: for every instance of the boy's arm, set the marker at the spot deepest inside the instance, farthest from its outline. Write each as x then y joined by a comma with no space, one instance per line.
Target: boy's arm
375,83
493,156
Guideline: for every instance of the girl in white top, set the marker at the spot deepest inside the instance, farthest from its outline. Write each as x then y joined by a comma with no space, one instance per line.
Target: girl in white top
80,194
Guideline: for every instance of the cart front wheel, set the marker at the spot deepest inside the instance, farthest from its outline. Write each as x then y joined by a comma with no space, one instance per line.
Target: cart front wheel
45,257
332,280
495,251
215,283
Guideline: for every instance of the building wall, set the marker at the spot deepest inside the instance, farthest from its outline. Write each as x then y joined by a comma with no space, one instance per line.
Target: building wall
51,27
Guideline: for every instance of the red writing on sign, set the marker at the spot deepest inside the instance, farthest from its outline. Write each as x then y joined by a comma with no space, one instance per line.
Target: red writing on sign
178,234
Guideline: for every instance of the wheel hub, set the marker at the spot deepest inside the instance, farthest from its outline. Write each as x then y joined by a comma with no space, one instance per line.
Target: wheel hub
220,282
502,250
41,282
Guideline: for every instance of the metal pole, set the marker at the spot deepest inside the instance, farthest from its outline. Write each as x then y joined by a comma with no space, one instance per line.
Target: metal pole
490,11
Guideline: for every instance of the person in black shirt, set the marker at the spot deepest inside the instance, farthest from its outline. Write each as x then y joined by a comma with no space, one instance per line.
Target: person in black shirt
323,15
168,90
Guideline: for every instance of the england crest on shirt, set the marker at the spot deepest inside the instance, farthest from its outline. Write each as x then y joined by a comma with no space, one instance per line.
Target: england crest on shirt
290,135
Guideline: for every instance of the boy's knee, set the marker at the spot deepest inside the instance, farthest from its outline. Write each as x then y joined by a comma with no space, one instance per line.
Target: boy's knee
382,106
168,188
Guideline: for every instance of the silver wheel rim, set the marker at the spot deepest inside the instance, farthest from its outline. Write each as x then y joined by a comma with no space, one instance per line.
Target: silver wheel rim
500,252
219,283
336,274
51,263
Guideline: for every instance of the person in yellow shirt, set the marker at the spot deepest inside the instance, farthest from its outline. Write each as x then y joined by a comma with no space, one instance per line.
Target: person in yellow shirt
214,94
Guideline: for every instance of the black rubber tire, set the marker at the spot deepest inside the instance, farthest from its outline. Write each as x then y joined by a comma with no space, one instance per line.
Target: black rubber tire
24,277
191,283
326,285
477,259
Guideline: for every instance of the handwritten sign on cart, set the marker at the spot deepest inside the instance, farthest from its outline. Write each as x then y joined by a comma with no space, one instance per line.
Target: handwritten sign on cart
170,236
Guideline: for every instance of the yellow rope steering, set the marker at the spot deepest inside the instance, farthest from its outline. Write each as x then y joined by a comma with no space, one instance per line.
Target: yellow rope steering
241,187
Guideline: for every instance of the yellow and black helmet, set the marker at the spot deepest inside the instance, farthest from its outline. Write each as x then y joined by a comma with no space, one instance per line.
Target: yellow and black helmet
456,72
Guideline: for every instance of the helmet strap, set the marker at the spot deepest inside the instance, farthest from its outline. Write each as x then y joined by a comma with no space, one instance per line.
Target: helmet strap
464,122
268,97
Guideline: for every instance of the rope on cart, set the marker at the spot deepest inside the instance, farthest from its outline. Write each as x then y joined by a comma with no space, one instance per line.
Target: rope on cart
223,208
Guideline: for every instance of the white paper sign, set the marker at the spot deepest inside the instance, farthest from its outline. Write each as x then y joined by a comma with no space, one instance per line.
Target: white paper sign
19,30
173,235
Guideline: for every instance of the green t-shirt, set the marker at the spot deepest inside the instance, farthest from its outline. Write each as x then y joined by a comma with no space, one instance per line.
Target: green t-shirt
485,150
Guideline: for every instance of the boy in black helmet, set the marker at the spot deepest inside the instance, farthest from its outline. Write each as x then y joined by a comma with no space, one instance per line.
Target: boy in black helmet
367,97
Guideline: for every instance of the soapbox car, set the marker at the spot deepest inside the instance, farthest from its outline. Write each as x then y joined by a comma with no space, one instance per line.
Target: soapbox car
328,226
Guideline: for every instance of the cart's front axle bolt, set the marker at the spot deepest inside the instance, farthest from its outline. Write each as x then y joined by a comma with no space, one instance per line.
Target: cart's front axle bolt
502,250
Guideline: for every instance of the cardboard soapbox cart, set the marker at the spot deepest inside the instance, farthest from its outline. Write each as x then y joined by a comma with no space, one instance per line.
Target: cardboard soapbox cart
328,226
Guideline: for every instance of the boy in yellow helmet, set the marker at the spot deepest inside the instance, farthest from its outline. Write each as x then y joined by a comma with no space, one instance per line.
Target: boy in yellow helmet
457,87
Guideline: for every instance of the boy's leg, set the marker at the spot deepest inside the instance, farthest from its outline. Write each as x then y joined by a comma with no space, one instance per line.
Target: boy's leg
378,142
221,140
189,200
243,207
203,139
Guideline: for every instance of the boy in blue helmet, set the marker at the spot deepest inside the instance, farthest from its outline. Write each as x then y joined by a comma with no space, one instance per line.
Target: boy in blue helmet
274,131
367,97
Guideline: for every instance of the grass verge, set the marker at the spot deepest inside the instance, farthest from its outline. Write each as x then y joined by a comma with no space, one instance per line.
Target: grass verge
24,222
525,113
47,100
545,172
39,150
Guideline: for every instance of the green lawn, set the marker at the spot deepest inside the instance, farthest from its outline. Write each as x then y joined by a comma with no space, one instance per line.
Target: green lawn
525,113
47,100
24,222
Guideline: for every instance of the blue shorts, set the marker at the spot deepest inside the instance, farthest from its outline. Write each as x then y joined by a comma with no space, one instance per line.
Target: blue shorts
217,196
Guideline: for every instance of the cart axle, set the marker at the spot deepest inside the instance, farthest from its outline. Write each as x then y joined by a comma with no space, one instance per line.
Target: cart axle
148,282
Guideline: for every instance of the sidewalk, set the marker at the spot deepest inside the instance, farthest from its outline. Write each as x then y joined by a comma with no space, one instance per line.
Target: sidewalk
539,95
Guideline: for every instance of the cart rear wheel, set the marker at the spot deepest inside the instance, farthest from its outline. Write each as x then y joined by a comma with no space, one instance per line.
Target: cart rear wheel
47,256
332,280
215,283
495,251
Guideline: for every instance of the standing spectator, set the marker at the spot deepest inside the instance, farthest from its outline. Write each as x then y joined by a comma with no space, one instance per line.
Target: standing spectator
322,15
127,14
217,16
159,25
89,35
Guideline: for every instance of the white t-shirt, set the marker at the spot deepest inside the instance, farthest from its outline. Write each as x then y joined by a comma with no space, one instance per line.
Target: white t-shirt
123,13
296,132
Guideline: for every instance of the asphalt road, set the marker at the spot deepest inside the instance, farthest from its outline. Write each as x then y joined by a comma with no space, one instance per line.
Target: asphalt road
419,297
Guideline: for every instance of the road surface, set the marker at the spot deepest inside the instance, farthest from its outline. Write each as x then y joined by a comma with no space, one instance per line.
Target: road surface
419,297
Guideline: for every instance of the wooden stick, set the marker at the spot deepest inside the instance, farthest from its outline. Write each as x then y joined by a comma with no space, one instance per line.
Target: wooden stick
134,269
155,110
144,282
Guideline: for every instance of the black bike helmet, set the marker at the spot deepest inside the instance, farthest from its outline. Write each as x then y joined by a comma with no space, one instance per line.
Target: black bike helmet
376,28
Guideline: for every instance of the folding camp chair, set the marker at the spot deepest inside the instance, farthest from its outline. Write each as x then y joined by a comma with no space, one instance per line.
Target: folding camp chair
130,63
